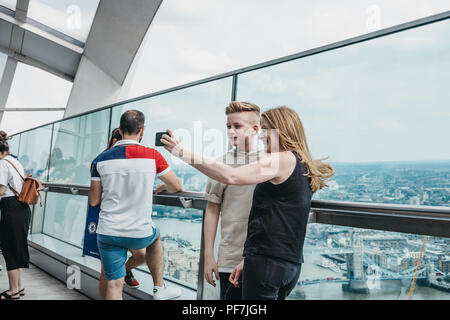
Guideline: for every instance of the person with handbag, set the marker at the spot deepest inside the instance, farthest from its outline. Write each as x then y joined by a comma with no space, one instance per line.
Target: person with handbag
15,221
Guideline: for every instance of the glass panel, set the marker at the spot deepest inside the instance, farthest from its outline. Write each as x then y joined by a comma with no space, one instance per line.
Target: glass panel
181,231
299,26
71,17
65,217
197,114
76,142
210,292
378,109
43,89
11,4
13,121
359,264
37,221
14,142
35,150
3,58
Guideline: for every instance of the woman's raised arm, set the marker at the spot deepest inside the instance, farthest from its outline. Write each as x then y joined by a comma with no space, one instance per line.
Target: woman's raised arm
253,173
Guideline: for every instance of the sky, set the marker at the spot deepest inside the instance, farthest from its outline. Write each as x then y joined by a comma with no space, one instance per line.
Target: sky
381,100
194,39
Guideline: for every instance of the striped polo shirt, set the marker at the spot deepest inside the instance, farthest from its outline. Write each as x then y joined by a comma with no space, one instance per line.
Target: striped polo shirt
127,172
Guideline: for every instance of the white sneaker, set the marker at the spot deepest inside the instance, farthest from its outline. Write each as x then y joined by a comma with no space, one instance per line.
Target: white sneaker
165,293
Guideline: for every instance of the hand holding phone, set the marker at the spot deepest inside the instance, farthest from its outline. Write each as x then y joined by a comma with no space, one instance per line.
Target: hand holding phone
158,137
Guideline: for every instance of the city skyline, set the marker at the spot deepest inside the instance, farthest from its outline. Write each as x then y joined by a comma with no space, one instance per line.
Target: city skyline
387,260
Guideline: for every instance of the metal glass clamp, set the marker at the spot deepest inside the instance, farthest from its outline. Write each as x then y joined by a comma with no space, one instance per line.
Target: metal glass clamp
187,203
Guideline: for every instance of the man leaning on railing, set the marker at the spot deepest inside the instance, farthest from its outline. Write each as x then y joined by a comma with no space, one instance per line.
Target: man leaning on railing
122,180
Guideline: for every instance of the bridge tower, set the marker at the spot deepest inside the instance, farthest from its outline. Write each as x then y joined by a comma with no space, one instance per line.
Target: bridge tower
355,266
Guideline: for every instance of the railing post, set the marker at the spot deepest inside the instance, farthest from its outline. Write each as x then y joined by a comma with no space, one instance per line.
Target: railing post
30,231
234,87
201,267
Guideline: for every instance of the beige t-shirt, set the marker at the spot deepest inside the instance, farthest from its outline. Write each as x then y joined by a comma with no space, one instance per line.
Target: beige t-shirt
236,202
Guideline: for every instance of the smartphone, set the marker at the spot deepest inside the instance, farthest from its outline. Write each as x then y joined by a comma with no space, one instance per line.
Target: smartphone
158,136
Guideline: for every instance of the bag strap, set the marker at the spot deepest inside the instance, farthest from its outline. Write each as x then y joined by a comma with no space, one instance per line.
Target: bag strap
12,189
15,168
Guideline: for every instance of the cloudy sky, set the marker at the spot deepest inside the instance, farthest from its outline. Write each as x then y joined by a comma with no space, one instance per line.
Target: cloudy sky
193,39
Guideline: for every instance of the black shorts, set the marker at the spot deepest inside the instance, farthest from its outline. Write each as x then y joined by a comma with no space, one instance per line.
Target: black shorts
14,225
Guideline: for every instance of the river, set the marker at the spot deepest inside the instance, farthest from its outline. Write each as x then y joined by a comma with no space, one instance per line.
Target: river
386,289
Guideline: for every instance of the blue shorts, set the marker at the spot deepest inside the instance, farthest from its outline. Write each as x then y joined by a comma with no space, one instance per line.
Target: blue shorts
113,252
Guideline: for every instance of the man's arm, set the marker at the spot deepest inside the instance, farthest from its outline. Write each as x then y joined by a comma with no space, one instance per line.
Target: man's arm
172,182
210,229
95,193
2,190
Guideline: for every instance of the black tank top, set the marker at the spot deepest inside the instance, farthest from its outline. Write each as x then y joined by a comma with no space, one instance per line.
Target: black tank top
279,215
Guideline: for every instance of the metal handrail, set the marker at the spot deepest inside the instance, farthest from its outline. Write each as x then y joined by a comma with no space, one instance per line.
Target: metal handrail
433,221
316,205
423,220
326,205
185,199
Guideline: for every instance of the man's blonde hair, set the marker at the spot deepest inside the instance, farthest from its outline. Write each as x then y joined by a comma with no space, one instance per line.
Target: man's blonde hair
241,106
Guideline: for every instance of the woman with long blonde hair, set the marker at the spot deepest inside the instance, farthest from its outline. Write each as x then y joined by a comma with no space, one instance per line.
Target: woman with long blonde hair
285,181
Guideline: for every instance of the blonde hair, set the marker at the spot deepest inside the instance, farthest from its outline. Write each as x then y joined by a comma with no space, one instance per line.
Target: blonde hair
241,106
292,138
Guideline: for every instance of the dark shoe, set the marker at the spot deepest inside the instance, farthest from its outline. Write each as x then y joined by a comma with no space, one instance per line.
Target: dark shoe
5,296
130,281
22,292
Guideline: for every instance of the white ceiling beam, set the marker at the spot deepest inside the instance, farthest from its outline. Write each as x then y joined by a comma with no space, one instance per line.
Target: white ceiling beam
6,83
114,43
118,29
30,109
28,44
22,10
39,32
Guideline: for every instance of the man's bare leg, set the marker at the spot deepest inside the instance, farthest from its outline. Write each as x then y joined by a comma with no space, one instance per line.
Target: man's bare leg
102,284
155,262
137,259
114,289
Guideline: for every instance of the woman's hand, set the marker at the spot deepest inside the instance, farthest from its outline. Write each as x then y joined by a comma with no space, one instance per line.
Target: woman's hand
173,144
236,274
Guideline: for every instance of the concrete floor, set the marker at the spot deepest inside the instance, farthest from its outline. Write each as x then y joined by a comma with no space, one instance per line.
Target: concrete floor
39,285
